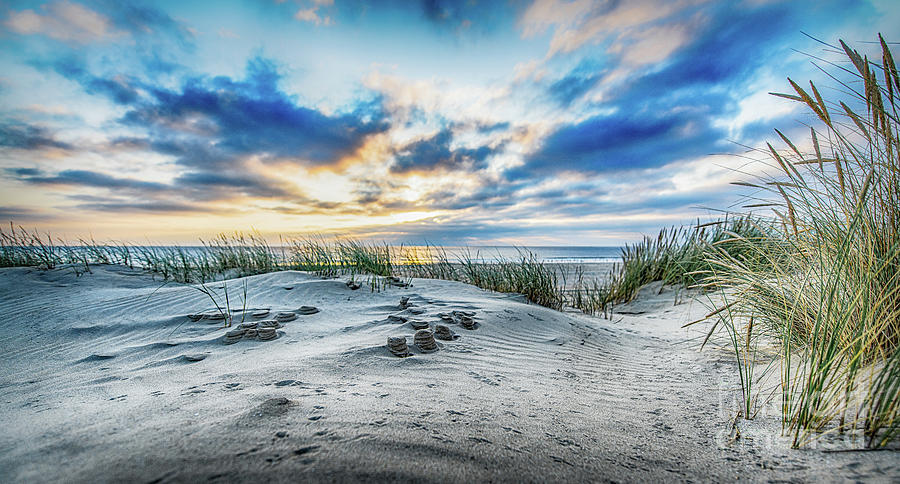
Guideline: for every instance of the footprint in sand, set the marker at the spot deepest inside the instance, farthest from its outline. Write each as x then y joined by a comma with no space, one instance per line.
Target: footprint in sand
397,345
425,341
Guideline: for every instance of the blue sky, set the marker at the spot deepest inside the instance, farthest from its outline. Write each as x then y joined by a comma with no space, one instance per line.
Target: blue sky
455,122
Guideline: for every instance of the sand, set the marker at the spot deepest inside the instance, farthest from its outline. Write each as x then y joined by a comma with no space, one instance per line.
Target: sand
105,378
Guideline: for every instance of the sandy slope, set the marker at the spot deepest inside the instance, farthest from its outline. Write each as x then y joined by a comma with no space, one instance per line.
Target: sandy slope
104,378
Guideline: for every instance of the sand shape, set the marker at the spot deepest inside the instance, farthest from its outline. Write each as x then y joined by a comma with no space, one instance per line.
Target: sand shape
416,310
249,325
353,285
446,318
443,332
234,335
260,314
266,333
195,317
424,339
214,316
396,318
418,324
307,310
397,345
269,323
404,303
284,317
467,322
251,333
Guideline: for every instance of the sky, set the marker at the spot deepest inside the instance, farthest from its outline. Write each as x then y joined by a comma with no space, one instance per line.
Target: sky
545,122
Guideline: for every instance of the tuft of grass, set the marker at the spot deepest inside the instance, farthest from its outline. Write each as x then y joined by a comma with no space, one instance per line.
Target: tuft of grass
825,282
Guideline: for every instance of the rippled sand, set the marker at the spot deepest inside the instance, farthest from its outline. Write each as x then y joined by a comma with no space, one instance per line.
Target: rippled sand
106,377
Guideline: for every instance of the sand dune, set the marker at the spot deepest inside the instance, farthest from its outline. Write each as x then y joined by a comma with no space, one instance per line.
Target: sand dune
107,377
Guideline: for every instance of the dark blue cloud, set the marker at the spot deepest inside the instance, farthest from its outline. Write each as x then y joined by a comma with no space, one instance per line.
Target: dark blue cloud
143,206
143,20
28,137
88,179
119,89
734,41
625,141
668,112
571,87
252,116
435,152
452,16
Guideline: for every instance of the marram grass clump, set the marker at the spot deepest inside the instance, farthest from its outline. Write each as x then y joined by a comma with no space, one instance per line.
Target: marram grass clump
826,284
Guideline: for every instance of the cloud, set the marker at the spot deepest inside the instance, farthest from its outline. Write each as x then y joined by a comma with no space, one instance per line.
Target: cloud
147,206
222,118
311,15
12,213
624,142
667,113
28,137
435,152
578,23
574,85
89,179
64,21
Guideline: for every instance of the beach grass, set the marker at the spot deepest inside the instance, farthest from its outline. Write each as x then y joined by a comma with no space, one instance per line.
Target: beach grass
826,283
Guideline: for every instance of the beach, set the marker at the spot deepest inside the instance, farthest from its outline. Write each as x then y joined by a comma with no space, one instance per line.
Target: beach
113,376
